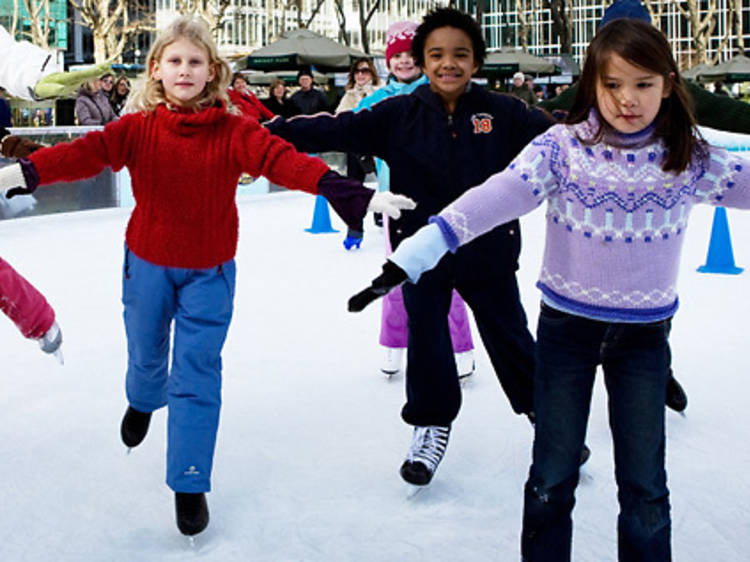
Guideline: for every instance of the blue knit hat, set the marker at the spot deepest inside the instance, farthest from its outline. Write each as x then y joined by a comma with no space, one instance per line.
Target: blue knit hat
625,9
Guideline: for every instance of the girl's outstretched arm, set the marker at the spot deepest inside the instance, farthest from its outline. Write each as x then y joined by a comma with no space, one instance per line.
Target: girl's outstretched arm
28,309
361,132
261,153
507,195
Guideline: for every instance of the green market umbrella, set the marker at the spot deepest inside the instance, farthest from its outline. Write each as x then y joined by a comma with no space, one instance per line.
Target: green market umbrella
508,61
301,47
736,69
288,76
698,71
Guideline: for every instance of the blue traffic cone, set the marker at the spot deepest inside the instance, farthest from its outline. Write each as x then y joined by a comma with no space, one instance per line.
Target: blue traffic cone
321,222
720,257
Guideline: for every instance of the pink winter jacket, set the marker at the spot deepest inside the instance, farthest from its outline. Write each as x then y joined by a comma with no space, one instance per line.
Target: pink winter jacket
23,304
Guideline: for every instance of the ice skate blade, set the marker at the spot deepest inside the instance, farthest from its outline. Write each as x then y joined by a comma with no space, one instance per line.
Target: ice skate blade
412,490
466,380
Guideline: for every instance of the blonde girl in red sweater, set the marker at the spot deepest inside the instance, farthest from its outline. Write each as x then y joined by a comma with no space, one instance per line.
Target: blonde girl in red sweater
185,152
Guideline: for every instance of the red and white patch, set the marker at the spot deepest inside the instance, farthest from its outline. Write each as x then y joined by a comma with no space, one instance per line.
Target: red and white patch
482,123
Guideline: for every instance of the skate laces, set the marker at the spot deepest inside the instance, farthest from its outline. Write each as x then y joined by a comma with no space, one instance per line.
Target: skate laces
428,445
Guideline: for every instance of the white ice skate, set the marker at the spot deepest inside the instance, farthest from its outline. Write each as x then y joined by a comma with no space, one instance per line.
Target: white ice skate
465,364
393,361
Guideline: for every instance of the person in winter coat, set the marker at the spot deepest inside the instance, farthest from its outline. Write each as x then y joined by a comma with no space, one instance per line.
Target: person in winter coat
362,82
92,105
711,110
246,101
5,117
620,178
119,96
405,76
446,136
521,90
308,99
277,100
29,310
179,270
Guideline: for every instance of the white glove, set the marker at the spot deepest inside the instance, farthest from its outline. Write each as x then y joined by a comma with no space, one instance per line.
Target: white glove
12,181
390,204
51,341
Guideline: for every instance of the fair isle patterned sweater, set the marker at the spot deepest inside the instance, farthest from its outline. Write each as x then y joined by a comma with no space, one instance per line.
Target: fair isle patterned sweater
615,220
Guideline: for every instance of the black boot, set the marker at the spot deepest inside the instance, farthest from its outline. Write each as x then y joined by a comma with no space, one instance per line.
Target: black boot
192,512
134,426
676,398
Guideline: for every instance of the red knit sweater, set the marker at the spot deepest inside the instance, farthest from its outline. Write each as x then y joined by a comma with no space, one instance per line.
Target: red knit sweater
184,168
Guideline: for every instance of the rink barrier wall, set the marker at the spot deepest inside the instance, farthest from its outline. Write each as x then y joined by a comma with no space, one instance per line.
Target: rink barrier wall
108,189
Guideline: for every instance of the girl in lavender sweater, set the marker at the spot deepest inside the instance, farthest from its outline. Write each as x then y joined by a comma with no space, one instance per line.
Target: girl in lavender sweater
620,178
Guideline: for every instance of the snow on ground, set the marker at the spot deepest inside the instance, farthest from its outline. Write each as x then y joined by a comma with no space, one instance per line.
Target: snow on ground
311,440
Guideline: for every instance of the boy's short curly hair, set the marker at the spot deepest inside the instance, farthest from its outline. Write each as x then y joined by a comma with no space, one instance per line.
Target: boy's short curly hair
448,17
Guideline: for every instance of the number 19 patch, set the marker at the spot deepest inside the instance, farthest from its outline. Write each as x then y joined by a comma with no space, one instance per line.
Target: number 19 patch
482,123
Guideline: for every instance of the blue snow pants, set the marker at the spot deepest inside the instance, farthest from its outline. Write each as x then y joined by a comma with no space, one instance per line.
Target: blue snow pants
200,302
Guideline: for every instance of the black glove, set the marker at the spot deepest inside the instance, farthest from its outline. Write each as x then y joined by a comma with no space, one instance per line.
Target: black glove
391,277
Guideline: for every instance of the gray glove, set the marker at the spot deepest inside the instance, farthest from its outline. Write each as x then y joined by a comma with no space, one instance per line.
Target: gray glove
51,342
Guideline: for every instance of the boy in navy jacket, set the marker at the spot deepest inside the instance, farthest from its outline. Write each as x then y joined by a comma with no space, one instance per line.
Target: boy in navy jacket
439,141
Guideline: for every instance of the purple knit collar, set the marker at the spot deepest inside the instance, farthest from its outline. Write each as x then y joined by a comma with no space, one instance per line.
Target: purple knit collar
618,139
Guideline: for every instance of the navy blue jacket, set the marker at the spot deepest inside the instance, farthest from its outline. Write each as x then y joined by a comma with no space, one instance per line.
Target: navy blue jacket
434,157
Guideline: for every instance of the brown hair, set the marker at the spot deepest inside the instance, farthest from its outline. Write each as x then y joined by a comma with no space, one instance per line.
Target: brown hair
149,92
644,46
351,82
235,76
272,86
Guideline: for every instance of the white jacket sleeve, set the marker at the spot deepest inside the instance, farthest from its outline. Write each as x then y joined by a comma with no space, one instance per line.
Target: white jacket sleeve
22,65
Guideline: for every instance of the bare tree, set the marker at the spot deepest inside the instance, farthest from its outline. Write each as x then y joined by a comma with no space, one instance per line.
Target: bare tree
14,19
313,13
341,18
562,24
367,9
39,18
212,12
111,26
526,15
655,11
736,10
702,28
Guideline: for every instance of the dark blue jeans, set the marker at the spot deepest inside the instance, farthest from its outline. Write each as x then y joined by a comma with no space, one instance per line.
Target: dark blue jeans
633,358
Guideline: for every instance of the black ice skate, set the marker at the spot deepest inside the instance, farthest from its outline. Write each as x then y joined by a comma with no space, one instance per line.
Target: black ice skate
427,449
676,398
192,512
134,427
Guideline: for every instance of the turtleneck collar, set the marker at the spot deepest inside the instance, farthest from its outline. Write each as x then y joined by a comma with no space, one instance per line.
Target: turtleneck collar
618,139
187,121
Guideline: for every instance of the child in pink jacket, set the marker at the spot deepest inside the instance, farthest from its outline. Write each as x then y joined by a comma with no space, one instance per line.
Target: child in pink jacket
29,310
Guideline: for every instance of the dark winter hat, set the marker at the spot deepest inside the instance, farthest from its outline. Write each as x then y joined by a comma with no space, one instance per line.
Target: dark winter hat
625,9
305,72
